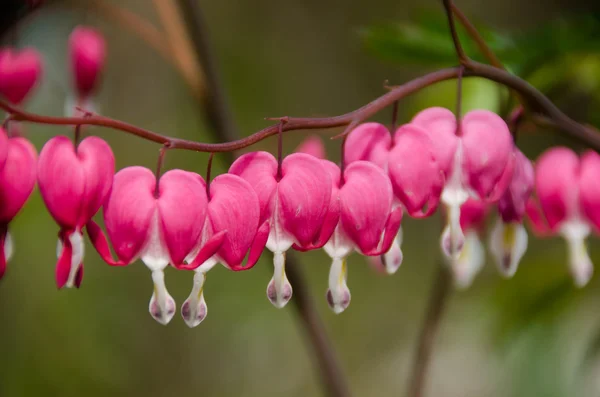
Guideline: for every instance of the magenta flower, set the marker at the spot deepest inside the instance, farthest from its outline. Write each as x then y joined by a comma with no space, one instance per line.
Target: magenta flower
87,50
472,255
569,198
17,179
232,207
412,168
74,182
508,239
160,223
295,203
19,73
366,222
477,162
312,145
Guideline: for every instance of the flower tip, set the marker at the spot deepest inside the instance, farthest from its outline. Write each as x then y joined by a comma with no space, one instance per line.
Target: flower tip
193,311
162,310
340,302
280,293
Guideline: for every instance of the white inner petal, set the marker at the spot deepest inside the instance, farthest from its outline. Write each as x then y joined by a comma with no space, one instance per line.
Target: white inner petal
162,305
78,250
279,289
338,295
469,262
393,258
575,232
279,240
338,246
154,254
508,243
194,309
8,247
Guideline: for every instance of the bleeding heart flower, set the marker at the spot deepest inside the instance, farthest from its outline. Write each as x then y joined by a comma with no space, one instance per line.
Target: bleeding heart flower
409,160
232,208
568,200
160,223
312,145
472,256
508,240
87,49
74,182
476,162
17,179
19,72
366,222
295,204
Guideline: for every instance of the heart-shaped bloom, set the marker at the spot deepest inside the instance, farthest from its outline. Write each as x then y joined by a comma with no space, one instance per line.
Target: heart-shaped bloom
569,201
477,162
232,208
472,256
17,179
87,49
74,182
408,158
19,73
508,239
160,223
365,221
295,203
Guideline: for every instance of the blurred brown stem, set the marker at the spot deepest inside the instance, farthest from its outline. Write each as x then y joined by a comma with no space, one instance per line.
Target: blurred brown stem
440,291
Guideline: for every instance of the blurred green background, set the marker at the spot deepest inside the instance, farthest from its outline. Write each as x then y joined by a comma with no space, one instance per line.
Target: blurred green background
533,335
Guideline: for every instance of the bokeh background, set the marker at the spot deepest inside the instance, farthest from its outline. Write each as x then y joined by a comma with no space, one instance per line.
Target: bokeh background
533,335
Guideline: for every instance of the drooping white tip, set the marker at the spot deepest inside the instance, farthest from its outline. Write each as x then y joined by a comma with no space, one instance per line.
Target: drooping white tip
393,258
581,266
508,243
279,289
194,310
338,294
162,304
76,239
469,262
8,247
453,238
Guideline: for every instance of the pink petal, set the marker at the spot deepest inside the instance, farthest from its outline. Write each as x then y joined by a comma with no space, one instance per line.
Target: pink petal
304,194
17,178
440,124
182,206
473,214
100,243
537,221
312,145
87,49
392,227
487,148
556,184
129,210
74,184
19,72
416,177
513,202
368,142
234,208
63,267
98,163
208,250
589,187
365,202
3,257
258,245
260,170
3,147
